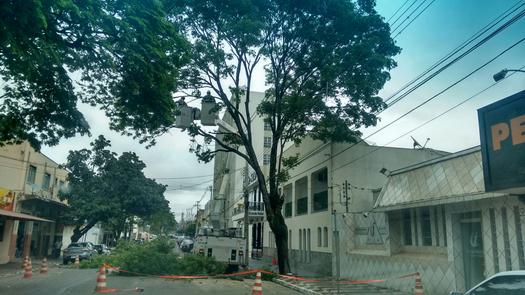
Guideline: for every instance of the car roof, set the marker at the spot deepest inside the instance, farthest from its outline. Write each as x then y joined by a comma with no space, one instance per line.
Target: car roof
510,273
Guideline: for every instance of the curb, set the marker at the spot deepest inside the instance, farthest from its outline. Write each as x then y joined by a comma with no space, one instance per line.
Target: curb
295,287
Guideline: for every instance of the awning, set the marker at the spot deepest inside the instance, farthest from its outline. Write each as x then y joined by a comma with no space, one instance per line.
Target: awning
21,216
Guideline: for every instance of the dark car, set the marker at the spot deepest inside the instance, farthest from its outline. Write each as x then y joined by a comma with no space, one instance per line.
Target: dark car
84,250
102,249
186,245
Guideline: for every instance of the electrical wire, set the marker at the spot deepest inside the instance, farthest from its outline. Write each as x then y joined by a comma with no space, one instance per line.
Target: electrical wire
461,46
413,109
471,49
408,16
428,121
403,13
397,10
421,12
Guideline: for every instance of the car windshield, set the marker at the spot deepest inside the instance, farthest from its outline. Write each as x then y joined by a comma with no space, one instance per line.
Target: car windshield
379,142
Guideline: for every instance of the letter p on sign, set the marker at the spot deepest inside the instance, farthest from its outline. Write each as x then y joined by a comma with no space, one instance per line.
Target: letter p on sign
500,132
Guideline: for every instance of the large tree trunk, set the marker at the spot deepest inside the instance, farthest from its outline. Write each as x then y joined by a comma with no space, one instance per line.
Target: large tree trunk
280,231
81,230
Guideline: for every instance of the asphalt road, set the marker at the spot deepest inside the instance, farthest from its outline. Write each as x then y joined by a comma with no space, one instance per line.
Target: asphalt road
62,281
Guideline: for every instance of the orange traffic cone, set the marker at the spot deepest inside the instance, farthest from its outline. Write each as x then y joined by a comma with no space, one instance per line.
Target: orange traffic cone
25,262
274,261
77,261
418,289
28,270
257,286
101,280
43,266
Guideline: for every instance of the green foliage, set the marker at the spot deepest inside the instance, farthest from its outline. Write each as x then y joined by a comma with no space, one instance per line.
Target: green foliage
156,258
126,53
106,187
190,229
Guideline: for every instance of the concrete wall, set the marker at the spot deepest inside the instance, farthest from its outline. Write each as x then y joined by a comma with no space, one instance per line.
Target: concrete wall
6,241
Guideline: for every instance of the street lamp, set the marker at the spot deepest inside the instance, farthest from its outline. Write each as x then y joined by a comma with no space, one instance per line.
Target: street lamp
501,74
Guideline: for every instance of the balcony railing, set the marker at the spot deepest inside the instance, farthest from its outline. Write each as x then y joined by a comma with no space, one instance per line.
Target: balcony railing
254,208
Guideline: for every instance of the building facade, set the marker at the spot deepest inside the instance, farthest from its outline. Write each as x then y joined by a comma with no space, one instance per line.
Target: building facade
435,218
332,179
235,182
34,225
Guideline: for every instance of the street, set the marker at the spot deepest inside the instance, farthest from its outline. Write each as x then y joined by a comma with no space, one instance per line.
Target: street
62,281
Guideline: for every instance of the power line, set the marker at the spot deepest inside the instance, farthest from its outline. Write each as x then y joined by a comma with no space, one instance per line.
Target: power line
421,12
428,121
471,49
408,16
417,107
476,35
403,13
397,10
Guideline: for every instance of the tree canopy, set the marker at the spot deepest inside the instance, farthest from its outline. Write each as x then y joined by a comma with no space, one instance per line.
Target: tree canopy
106,187
125,55
325,62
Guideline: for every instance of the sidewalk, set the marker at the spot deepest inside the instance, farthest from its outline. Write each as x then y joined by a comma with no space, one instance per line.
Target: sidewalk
330,287
14,268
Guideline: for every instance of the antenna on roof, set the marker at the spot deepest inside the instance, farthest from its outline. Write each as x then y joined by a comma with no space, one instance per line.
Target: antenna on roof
416,144
428,139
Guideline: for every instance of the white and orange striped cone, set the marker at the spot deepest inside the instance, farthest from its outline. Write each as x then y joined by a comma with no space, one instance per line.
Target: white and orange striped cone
25,262
43,266
28,270
77,261
257,286
418,289
101,280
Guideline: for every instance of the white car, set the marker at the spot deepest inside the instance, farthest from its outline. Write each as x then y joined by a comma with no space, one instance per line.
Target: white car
503,283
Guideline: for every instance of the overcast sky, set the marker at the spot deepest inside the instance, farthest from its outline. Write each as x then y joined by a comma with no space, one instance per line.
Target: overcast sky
438,30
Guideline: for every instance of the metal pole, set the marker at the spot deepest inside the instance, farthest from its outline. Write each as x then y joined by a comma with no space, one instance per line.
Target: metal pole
337,254
246,230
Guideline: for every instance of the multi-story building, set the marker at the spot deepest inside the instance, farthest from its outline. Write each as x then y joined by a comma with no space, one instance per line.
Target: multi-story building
333,179
234,179
30,220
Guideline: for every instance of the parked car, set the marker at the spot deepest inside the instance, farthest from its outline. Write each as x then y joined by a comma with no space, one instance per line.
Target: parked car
84,250
503,283
186,245
102,249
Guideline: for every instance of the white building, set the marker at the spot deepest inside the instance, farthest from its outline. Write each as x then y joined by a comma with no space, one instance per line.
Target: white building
333,179
233,179
435,218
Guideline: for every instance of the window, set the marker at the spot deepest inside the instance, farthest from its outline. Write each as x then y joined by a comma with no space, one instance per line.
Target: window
267,126
319,189
325,242
234,255
46,181
426,231
309,247
407,228
266,159
2,227
319,237
288,200
267,142
210,252
289,239
301,243
320,201
31,174
301,196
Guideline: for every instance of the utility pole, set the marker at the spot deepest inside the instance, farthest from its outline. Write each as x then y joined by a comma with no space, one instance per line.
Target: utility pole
345,194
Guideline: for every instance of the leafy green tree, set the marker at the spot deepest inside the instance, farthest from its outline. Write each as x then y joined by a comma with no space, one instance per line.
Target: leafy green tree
325,62
126,53
162,222
105,187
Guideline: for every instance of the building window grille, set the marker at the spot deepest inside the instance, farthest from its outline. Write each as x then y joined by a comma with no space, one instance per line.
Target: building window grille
266,159
46,181
426,229
407,228
267,142
31,174
325,242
